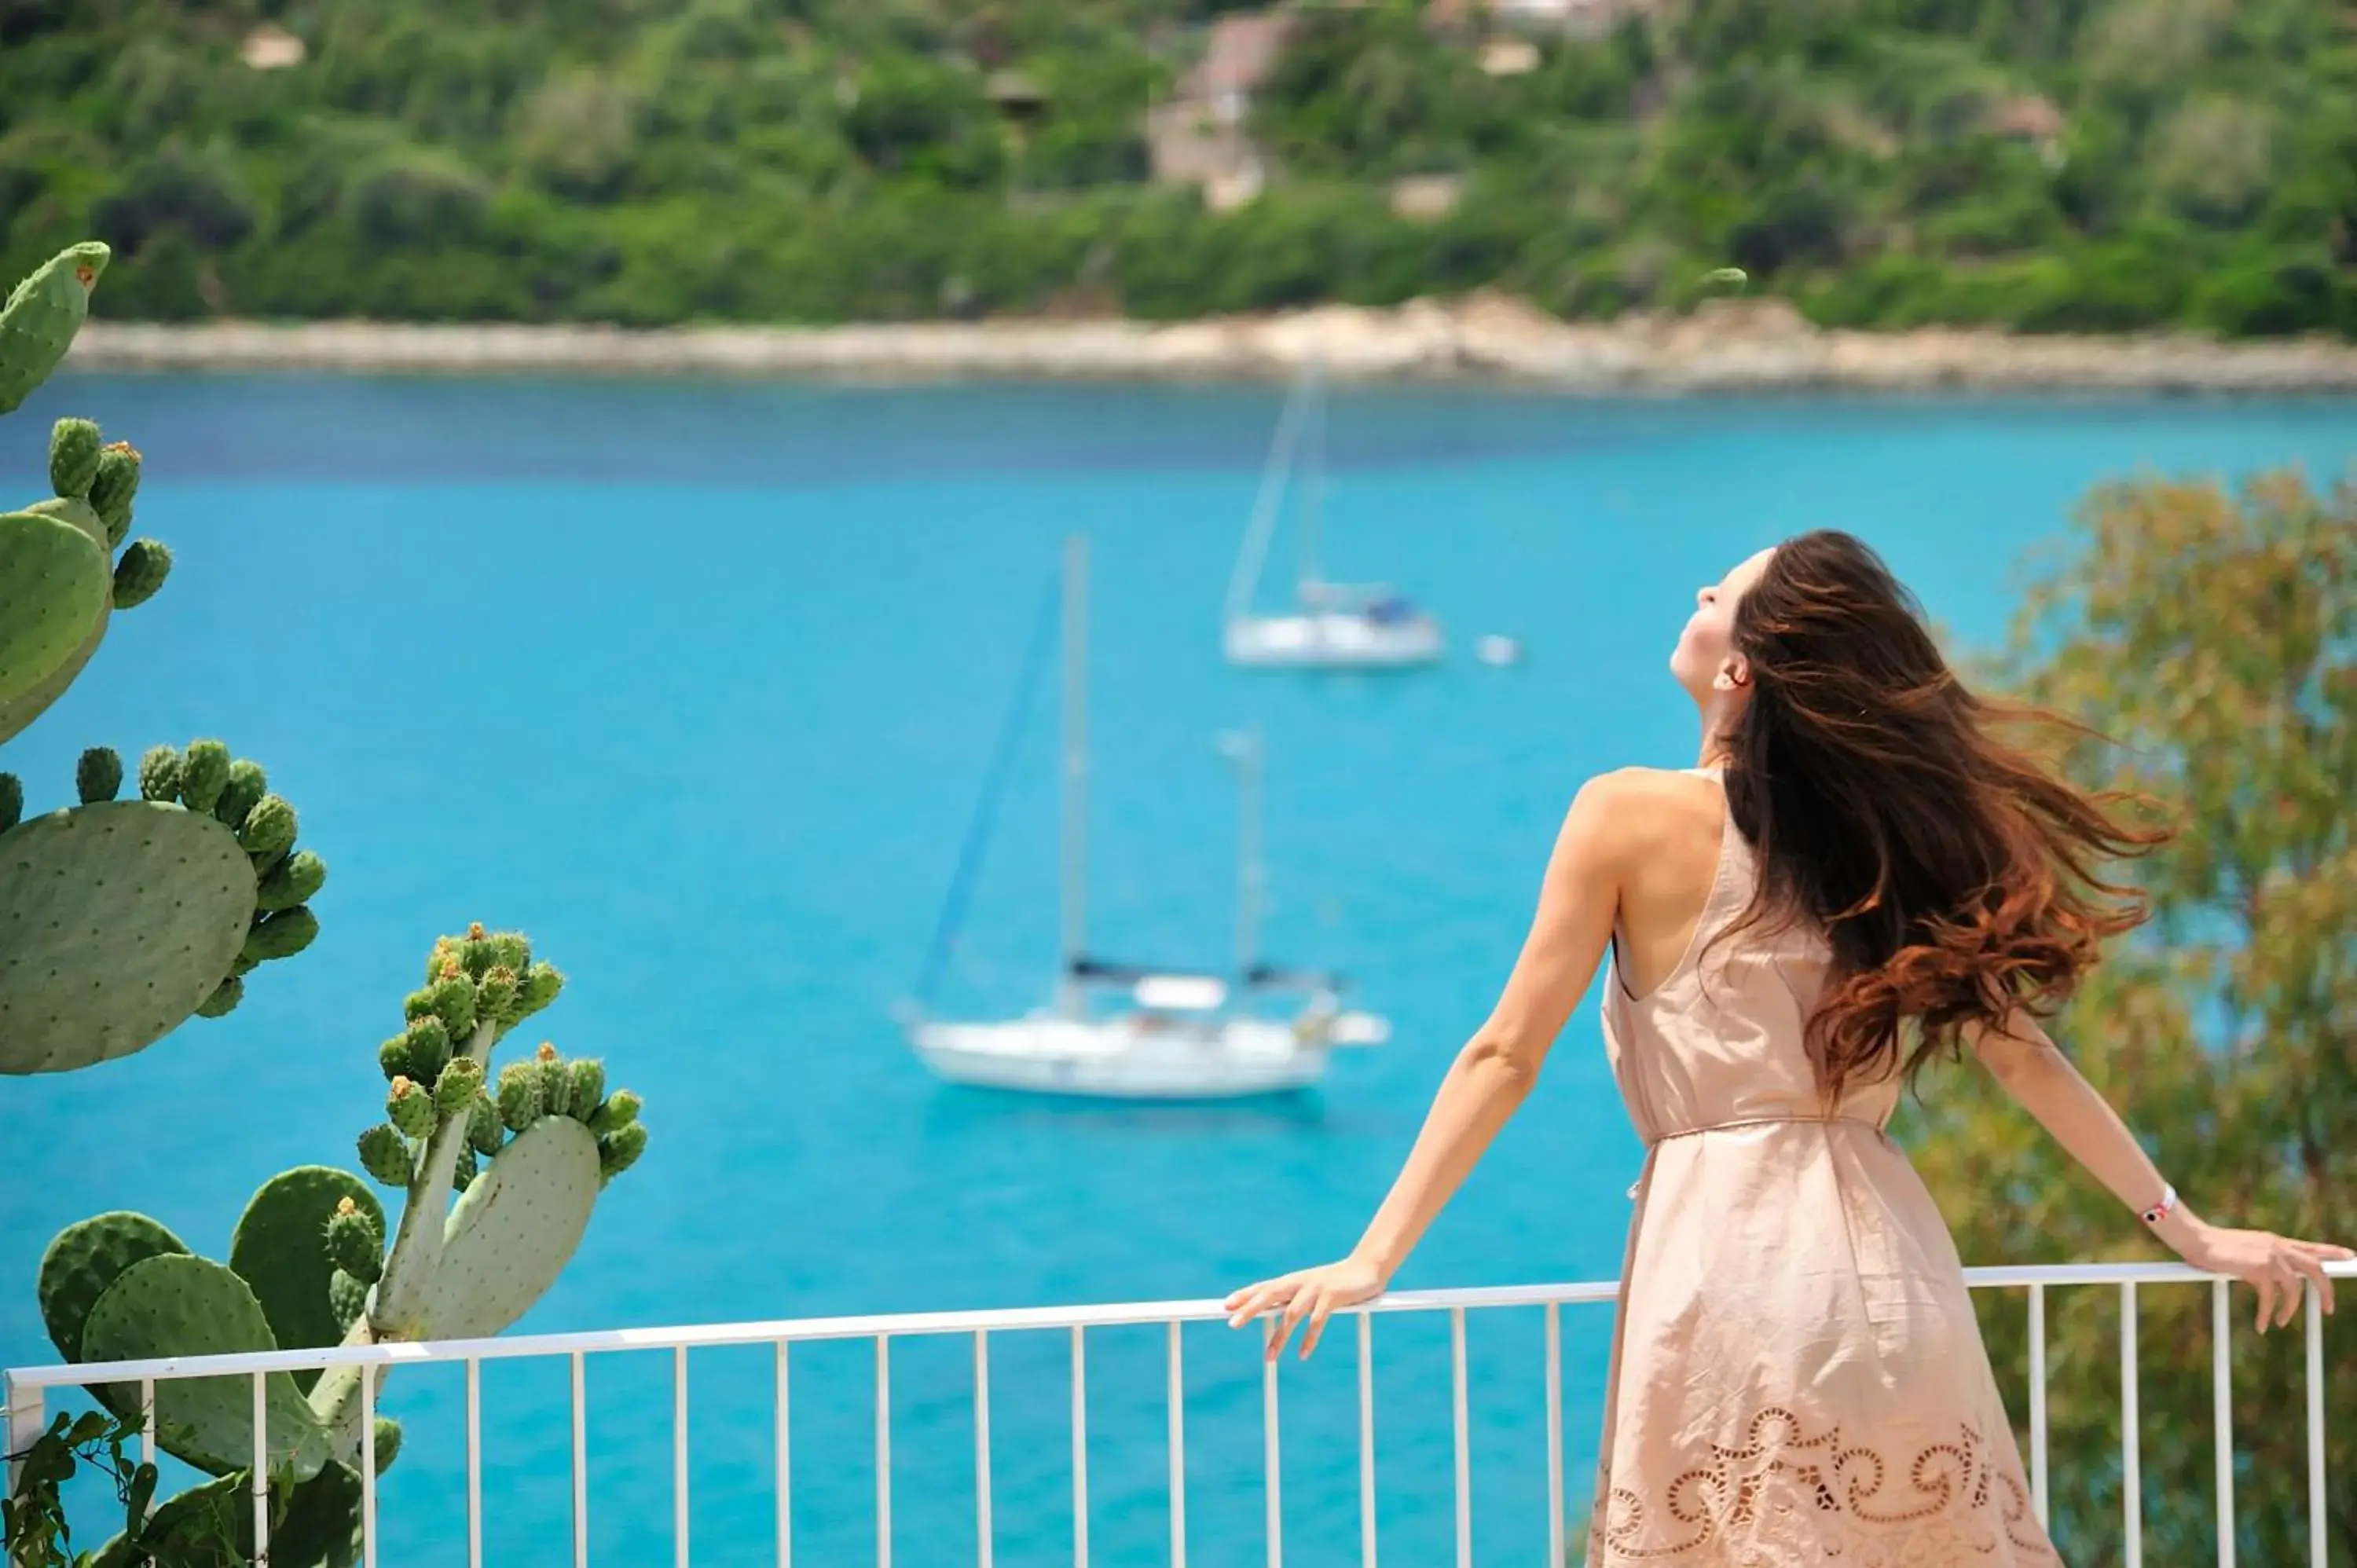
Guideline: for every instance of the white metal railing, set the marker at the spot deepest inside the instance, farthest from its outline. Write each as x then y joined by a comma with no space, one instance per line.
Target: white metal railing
27,1390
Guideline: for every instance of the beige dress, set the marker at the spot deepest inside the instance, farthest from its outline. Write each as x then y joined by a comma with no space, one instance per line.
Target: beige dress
1796,1374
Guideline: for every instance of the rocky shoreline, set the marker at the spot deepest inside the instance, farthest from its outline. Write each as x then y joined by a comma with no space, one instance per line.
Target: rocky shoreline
1727,345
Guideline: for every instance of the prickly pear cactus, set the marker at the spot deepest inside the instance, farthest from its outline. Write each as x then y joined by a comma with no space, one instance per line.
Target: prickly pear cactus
118,918
309,1264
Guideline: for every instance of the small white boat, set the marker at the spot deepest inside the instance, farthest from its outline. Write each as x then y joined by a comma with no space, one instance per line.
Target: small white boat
1498,651
1170,1035
1335,626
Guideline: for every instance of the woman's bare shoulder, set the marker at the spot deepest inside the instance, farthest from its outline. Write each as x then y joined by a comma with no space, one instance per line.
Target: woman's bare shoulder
1644,808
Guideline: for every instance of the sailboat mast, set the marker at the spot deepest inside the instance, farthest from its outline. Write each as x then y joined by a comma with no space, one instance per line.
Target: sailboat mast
1072,903
1265,502
1249,874
1313,498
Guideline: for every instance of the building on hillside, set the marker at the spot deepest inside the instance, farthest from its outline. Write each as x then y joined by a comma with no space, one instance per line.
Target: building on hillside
1577,18
1201,135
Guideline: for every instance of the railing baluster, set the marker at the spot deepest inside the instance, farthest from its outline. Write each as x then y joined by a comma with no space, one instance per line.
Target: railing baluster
147,1421
679,1454
1080,1447
1274,1524
2222,1394
260,1480
2316,1518
1554,1433
2131,1460
474,1463
1178,1404
580,1463
1460,1422
982,1529
2037,1403
783,1438
1367,1439
368,1468
883,1451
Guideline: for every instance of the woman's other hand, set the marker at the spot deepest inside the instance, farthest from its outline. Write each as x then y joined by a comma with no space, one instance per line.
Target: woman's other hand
2273,1265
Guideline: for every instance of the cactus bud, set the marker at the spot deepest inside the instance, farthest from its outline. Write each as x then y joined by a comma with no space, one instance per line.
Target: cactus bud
461,1081
224,999
616,1113
495,993
475,932
99,775
73,457
388,1442
347,1298
427,1045
464,1174
474,957
384,1154
510,948
268,828
353,1244
452,1000
438,958
588,1088
520,1103
204,774
12,802
540,984
393,1058
483,1130
619,1150
409,1108
555,1084
159,774
247,785
139,571
112,488
282,933
292,881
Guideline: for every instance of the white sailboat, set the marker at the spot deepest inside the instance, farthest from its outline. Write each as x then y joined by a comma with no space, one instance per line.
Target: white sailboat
1335,626
1159,1034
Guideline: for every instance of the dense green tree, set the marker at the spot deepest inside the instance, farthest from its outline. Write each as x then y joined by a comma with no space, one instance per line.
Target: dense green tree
2208,642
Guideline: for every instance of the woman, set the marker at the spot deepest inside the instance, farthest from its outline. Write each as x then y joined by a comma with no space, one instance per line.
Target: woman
1860,876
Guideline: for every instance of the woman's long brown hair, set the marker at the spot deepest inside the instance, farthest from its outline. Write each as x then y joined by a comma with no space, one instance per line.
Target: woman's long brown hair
1956,876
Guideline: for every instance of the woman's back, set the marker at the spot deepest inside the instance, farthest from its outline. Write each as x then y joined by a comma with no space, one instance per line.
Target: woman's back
1795,1368
1706,1011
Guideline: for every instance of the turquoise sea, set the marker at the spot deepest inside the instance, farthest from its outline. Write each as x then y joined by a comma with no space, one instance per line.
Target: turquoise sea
697,683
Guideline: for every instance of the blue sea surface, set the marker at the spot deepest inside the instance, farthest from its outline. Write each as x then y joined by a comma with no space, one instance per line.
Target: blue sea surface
697,683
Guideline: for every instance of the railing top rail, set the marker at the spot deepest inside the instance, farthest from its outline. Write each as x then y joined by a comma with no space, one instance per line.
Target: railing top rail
917,1324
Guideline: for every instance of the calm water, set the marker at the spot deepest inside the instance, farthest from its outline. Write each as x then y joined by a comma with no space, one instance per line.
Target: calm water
697,684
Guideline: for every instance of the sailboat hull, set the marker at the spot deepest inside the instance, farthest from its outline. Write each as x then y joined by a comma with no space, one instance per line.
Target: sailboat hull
1124,1059
1332,640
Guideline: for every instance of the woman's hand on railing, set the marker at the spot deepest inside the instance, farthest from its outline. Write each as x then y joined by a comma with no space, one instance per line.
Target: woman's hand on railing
2271,1265
1305,1297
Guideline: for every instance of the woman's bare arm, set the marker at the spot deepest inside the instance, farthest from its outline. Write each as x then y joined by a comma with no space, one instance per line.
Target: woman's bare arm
1492,1074
2036,1073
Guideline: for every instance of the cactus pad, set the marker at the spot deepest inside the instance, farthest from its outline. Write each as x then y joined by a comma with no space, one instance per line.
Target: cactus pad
178,1305
211,1526
38,324
515,1231
73,457
84,1259
280,1250
116,921
54,587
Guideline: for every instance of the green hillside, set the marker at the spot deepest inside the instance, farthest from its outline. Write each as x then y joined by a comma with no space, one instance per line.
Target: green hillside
2064,165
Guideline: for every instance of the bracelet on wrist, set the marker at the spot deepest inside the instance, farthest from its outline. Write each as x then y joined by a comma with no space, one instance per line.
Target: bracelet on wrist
2164,1208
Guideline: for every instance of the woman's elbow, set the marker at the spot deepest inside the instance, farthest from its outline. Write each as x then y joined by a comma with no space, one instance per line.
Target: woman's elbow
1501,1064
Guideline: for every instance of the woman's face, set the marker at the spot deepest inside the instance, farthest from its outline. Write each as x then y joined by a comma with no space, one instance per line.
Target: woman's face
1705,663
